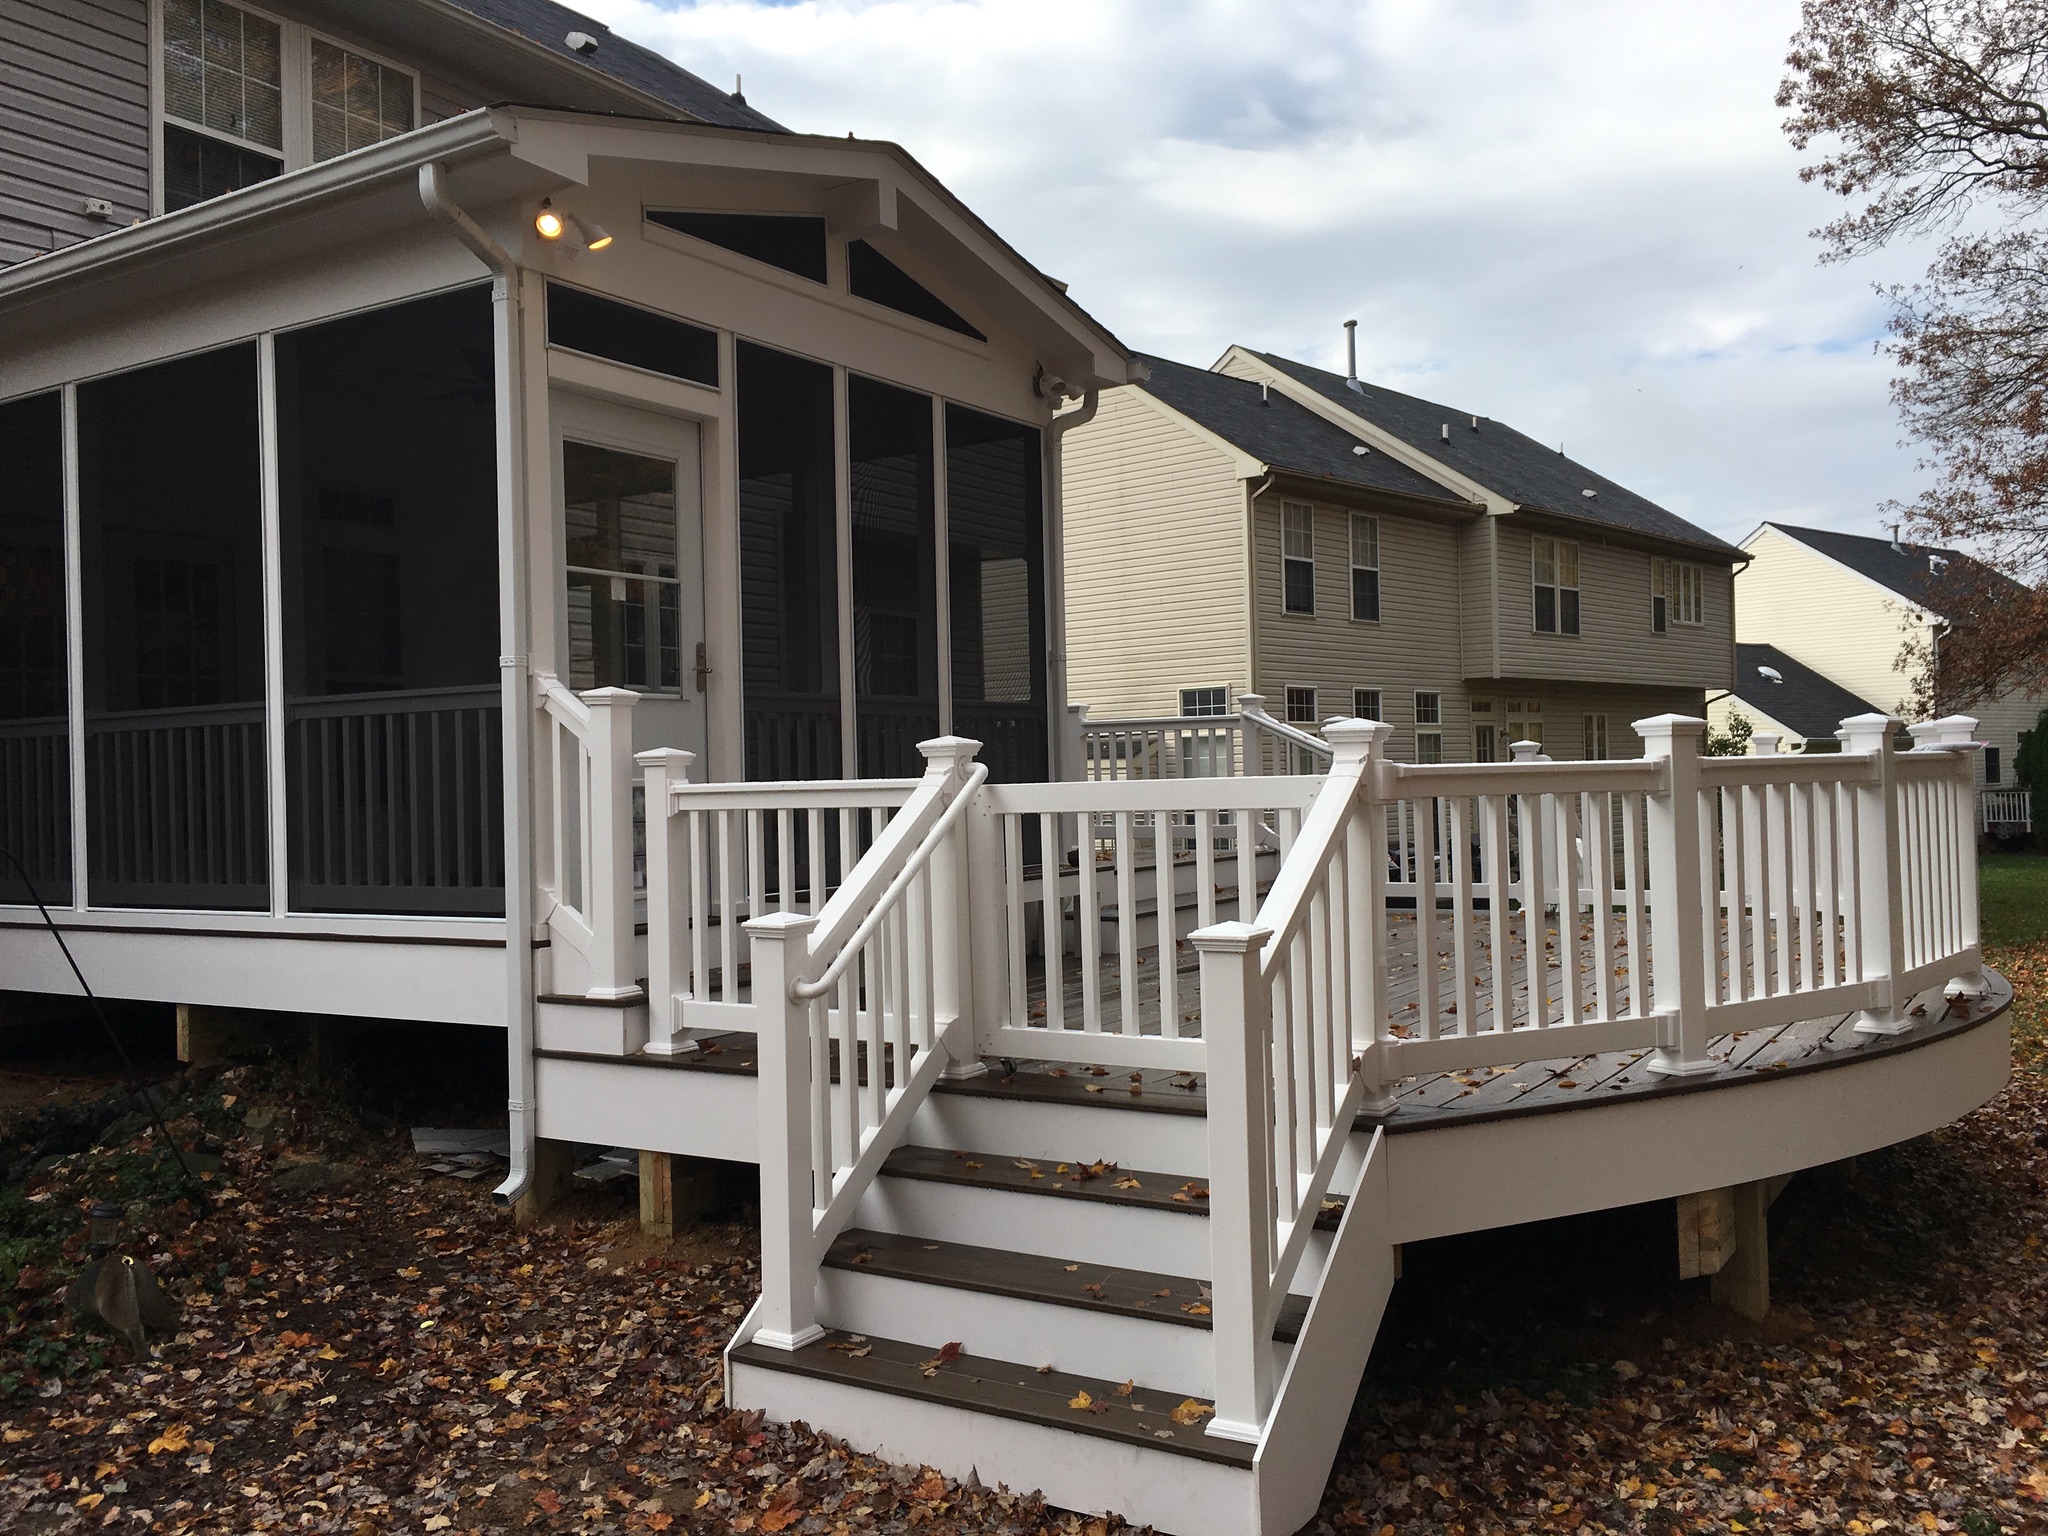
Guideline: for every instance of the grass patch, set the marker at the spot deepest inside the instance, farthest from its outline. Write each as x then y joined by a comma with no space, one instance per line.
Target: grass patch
2013,891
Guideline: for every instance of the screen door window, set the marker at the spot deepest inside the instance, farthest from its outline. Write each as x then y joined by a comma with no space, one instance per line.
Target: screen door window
620,511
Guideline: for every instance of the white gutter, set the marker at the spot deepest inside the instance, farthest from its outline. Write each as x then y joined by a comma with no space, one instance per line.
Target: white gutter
507,342
1056,575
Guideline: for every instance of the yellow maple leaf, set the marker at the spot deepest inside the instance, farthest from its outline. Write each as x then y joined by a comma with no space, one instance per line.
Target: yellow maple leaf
702,1499
1081,1399
90,1501
328,1352
174,1439
500,1383
1191,1412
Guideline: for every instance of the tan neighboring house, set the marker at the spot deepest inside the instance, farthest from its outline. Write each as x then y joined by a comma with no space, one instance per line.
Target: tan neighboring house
1846,606
1343,549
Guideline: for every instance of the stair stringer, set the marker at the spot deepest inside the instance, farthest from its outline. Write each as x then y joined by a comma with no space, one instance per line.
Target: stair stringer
1314,1400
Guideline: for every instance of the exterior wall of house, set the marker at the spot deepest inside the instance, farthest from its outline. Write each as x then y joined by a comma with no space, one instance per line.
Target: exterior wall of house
1154,534
1615,643
1414,647
74,120
1844,626
1478,606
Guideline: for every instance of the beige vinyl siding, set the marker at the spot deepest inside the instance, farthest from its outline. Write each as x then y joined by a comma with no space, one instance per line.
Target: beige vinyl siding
1844,626
74,119
1615,643
2001,722
1564,706
1413,647
1154,537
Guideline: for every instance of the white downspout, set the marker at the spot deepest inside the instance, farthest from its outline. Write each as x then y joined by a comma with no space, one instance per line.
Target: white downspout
1056,575
515,685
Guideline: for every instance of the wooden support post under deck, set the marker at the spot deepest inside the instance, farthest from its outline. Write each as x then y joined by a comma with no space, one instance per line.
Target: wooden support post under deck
657,1194
204,1033
1725,1233
554,1162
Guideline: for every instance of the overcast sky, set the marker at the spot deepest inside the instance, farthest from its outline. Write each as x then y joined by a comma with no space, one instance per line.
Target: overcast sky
1578,218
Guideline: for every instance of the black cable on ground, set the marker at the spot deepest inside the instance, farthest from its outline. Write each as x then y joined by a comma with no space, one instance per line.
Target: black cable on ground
127,1062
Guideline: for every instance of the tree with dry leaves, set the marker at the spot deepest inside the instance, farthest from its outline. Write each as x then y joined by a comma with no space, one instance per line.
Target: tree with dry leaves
1932,117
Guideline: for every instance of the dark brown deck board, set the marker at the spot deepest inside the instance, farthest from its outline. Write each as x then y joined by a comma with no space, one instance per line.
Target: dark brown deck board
996,1170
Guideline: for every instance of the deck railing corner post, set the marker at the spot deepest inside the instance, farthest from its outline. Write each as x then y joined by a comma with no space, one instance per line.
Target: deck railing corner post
1959,733
667,912
1881,927
608,842
1251,709
1236,1015
784,1084
1074,754
1681,910
958,946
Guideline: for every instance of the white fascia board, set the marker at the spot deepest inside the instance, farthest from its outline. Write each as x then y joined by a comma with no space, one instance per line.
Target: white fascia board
1892,594
1243,466
452,138
1370,433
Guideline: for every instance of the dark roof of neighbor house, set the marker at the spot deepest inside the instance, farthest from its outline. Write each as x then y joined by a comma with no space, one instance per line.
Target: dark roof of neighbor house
1503,460
1807,702
549,24
1907,569
1283,433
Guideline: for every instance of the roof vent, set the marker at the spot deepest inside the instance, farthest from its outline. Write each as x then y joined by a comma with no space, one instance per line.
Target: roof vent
1447,431
1589,493
739,95
1475,423
1936,564
1770,674
1897,547
1351,356
580,42
1361,450
1265,393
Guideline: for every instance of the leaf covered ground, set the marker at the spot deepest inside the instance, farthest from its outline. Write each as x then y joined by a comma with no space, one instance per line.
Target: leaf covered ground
367,1348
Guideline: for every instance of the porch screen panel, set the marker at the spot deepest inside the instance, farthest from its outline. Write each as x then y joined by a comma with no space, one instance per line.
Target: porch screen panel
35,721
995,529
789,587
171,539
388,507
895,577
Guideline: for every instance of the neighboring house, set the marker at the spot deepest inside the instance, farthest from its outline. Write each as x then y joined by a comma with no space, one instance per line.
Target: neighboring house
1343,549
1847,607
1783,696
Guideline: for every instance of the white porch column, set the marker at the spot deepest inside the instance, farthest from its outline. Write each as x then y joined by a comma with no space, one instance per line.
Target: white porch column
668,911
1881,931
1681,917
609,843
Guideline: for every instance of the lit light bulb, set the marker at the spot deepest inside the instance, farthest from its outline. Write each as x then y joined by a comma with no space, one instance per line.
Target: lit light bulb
548,224
595,236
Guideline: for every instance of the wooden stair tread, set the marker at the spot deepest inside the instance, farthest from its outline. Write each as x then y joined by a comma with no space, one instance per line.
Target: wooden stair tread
998,1170
1138,1293
1003,1388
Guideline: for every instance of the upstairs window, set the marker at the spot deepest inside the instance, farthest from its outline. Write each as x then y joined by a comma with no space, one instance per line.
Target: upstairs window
1301,706
356,101
1366,705
223,100
1429,709
1365,567
1298,556
1202,703
1554,578
1676,594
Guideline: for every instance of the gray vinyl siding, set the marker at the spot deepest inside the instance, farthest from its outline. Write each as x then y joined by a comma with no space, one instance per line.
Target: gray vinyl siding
1615,643
74,119
1414,646
1564,706
1479,619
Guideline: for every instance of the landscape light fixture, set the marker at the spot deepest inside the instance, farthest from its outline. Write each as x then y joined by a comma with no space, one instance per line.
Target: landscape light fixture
102,1227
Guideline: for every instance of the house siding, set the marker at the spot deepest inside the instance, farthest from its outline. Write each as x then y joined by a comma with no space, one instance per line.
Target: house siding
74,119
1414,647
1154,542
1615,643
1845,627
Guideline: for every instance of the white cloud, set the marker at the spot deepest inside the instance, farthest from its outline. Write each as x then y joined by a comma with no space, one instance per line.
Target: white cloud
1580,218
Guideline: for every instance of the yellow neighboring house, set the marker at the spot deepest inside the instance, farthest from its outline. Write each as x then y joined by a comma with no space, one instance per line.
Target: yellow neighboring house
1823,609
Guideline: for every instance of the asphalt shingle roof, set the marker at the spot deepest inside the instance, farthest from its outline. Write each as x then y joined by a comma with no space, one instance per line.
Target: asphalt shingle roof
1907,570
1807,702
1503,460
544,22
1282,432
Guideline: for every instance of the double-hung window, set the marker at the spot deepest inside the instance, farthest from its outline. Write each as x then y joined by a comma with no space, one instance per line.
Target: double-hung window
1677,592
1429,720
1298,556
1554,578
1301,706
356,101
1366,705
1204,702
1365,567
1593,729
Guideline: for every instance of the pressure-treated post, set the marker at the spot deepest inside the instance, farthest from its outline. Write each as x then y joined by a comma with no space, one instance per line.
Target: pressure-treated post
1880,911
1236,1026
610,841
1678,903
668,870
963,906
789,1258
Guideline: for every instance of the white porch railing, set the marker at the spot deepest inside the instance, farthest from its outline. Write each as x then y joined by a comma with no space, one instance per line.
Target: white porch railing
1249,742
583,803
2005,810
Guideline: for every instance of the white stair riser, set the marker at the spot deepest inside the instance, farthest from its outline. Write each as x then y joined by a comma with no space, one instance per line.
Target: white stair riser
1164,1356
1076,1230
1132,1138
1178,1495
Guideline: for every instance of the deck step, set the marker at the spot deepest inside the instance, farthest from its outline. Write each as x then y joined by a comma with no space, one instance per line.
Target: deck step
1143,1295
1141,1419
1174,1193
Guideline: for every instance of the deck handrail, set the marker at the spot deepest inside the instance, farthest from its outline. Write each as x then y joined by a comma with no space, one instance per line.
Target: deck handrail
1235,744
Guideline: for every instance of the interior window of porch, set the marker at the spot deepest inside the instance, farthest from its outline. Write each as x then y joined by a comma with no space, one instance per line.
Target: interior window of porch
388,513
789,565
895,576
35,743
171,537
995,531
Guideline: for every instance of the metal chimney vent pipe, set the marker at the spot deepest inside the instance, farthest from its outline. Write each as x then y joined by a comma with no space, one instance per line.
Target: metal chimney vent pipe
1351,356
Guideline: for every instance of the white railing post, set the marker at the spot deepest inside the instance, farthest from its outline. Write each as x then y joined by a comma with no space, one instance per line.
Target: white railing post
668,913
1764,744
1678,906
789,1259
959,945
1251,709
1236,1029
1076,764
608,834
1960,733
1881,926
1525,751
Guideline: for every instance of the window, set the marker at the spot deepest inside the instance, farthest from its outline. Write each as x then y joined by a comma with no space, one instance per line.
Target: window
620,515
625,333
356,101
1554,574
1593,737
1204,702
872,276
1365,567
1301,706
1366,705
1991,765
1298,556
1525,721
1429,746
793,242
1429,709
35,768
1485,732
1676,594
